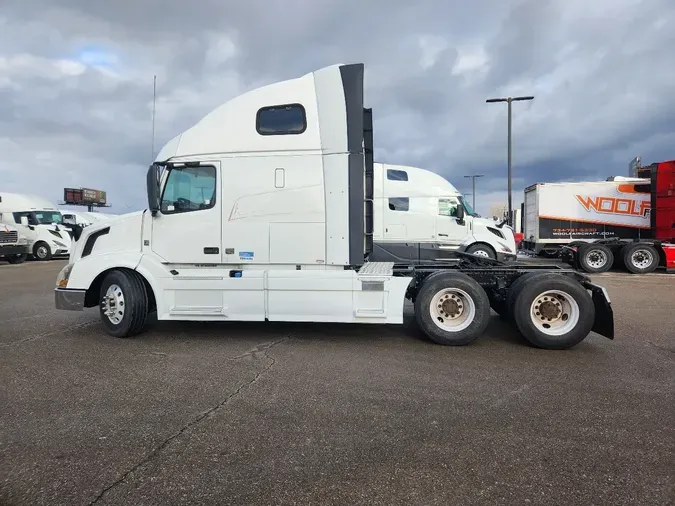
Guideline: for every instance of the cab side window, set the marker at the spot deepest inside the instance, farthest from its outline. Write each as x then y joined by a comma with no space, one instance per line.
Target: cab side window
447,207
31,218
399,203
189,189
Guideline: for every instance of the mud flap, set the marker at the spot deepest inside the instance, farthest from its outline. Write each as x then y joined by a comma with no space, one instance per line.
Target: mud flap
604,315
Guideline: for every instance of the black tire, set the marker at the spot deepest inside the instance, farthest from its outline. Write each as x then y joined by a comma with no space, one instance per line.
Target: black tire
134,301
482,250
539,289
42,251
642,253
590,256
17,259
433,286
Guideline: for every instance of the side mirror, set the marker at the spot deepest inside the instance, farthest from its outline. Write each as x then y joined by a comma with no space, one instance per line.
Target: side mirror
24,221
153,188
459,213
69,220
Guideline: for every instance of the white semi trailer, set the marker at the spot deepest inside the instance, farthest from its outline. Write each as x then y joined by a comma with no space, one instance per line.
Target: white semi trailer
263,210
416,220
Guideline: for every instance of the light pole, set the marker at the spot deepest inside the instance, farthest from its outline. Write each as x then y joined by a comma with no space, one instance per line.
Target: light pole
508,100
473,188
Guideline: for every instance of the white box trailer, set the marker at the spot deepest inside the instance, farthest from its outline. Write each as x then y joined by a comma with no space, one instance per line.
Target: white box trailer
558,214
263,211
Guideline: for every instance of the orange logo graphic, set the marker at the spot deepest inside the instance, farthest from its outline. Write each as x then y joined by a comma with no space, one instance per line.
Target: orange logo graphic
615,205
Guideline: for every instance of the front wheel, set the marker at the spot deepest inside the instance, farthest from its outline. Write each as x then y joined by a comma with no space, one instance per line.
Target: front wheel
452,309
482,250
123,303
17,259
42,251
554,313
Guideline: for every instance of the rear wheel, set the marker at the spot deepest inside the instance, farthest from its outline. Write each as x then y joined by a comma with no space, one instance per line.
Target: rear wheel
482,250
554,312
452,309
42,251
123,303
640,258
17,259
514,291
595,258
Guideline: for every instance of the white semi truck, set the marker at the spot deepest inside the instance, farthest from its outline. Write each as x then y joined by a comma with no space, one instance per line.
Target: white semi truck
39,221
416,220
263,210
13,246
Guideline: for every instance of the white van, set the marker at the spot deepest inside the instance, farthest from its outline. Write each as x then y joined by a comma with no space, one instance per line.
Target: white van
39,221
415,218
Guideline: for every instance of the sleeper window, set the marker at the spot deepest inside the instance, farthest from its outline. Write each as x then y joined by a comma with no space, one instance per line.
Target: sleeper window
189,189
397,175
281,120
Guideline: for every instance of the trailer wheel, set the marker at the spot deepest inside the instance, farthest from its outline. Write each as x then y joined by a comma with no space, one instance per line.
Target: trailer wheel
640,258
595,258
452,309
42,251
124,303
554,312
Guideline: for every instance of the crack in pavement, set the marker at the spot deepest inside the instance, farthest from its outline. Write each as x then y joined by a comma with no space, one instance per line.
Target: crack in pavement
47,334
264,348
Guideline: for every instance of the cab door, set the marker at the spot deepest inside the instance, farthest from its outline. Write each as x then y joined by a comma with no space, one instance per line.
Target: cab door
448,230
187,228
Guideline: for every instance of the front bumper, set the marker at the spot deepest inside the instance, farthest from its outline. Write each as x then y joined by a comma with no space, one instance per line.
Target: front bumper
69,299
13,250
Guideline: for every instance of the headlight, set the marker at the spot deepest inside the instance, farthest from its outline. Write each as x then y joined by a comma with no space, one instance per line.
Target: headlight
22,240
62,279
60,244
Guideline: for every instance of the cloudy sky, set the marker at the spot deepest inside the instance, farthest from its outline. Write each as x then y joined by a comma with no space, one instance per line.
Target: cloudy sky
76,83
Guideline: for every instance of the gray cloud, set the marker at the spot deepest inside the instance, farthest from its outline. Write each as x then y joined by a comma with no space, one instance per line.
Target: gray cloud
601,72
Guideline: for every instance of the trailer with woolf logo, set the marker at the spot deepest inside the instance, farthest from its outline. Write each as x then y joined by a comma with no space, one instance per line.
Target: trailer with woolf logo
625,221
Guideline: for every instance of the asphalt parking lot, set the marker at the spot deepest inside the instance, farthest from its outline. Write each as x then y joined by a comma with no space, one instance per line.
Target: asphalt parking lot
331,414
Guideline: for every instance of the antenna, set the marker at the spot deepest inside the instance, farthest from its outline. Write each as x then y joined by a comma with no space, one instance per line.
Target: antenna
154,101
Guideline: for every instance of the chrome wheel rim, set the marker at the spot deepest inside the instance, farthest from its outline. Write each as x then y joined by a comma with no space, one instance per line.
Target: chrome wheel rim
596,258
452,309
113,304
42,251
481,253
642,258
554,313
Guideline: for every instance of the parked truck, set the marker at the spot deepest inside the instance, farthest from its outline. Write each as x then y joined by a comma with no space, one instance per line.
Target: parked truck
623,221
39,221
416,220
13,246
263,211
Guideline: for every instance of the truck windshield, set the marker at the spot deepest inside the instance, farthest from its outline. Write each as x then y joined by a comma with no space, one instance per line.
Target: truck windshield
39,217
467,207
